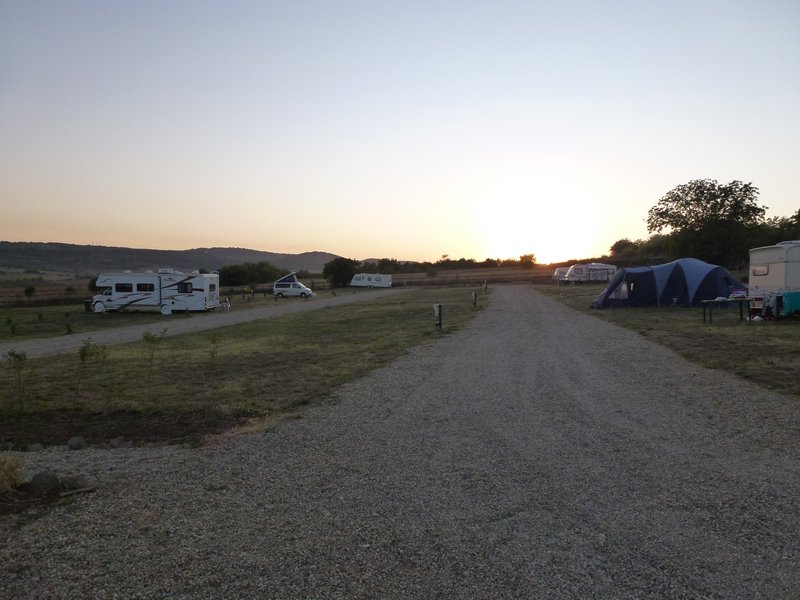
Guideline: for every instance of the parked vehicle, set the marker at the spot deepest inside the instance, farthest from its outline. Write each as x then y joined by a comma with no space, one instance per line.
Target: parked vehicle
290,286
774,271
167,291
591,272
559,274
371,280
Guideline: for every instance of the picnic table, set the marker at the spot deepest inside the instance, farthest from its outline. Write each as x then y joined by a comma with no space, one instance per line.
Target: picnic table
710,305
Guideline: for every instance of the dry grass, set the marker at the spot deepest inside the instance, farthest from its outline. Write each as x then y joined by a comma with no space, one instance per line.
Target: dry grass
10,473
766,353
185,386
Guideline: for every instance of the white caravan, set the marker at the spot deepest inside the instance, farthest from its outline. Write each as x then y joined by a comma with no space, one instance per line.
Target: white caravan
167,291
773,269
371,280
591,272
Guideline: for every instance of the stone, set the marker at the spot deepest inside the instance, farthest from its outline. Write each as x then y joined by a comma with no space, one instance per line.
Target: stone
36,447
43,484
116,442
76,482
77,443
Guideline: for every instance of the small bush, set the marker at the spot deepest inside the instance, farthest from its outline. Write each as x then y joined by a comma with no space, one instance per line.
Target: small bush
10,473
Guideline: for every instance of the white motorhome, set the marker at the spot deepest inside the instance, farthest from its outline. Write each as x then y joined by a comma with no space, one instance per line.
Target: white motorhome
371,280
773,269
167,291
591,272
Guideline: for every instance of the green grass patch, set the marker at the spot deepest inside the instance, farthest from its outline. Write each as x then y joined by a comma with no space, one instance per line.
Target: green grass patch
49,321
178,388
766,352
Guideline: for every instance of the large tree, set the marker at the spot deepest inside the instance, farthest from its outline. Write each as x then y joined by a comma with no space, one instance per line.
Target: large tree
339,272
708,220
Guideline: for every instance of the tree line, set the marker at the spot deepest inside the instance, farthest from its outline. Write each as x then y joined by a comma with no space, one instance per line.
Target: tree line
717,223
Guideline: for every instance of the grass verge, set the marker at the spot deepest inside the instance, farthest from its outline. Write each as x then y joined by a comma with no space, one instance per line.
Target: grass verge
766,353
178,389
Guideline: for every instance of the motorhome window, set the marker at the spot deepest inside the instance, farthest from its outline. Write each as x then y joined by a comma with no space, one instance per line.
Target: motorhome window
759,270
185,288
212,287
282,285
294,285
123,287
377,279
145,287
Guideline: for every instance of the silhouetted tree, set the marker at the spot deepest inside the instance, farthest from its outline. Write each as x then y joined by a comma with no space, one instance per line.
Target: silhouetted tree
707,220
339,272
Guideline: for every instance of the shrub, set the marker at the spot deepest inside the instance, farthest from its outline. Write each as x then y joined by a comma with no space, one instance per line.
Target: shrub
10,473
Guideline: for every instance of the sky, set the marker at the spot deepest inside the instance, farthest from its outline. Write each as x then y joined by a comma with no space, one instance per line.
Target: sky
370,129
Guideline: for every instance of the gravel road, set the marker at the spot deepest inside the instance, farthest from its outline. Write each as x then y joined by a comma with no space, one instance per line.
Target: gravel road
536,453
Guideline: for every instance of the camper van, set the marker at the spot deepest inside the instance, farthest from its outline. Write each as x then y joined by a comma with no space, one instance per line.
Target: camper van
559,274
589,273
371,280
289,286
167,291
773,270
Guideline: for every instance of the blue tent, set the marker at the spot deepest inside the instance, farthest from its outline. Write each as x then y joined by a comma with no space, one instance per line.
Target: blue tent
682,282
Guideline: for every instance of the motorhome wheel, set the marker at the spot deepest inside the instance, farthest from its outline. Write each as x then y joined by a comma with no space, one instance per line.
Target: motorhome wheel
279,294
99,307
166,309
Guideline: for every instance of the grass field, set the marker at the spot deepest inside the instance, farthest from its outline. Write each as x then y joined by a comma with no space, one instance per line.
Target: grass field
766,352
182,388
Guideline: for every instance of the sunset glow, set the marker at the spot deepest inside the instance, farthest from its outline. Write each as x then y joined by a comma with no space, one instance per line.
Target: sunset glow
407,131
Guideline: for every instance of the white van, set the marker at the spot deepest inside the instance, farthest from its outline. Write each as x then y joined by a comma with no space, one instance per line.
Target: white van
288,286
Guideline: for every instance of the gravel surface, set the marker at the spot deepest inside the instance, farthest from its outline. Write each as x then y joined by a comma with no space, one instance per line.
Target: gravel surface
537,453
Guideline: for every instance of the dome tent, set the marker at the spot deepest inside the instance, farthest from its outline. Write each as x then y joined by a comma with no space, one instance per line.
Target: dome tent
682,282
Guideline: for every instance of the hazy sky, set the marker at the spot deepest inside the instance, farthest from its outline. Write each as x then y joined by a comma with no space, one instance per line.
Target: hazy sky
387,129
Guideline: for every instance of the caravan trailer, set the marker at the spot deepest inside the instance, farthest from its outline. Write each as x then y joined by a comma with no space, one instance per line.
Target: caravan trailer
589,273
773,270
167,291
371,280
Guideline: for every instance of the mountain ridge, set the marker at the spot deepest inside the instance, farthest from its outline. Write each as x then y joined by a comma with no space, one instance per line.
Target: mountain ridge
93,259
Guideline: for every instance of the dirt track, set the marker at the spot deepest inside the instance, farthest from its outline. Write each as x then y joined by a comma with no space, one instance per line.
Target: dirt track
538,453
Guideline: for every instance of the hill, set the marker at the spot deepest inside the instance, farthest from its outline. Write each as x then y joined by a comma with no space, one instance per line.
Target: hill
91,260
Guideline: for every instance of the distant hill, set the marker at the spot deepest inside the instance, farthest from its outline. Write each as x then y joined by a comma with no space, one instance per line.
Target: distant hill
91,260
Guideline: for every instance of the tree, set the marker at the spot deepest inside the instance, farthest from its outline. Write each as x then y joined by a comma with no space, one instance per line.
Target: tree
527,261
249,274
339,272
708,220
623,246
695,205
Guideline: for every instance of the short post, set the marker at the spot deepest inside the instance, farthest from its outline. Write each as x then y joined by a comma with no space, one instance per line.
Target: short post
474,300
485,286
437,316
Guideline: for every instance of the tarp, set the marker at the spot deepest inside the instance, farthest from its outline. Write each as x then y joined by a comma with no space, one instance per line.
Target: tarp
682,282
